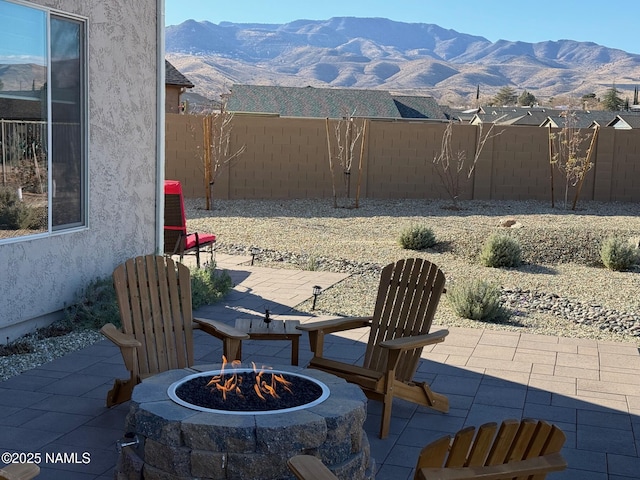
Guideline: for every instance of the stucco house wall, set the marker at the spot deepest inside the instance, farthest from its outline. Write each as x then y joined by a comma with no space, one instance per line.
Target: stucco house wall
39,276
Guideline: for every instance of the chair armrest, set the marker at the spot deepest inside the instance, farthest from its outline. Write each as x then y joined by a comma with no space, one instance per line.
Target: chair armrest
308,467
20,471
415,341
336,325
122,340
219,329
318,330
521,469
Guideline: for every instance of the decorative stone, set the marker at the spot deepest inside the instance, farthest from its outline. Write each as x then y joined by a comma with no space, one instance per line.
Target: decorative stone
208,464
167,458
294,432
257,466
220,433
129,466
508,222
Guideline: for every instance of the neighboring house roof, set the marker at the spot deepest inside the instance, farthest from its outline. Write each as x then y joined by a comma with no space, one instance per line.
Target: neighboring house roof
174,77
462,115
22,94
501,115
532,118
588,118
21,105
625,121
20,108
511,110
581,119
411,106
511,115
555,118
311,102
504,118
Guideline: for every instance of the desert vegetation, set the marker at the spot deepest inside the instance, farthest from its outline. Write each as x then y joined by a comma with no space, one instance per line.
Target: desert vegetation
559,286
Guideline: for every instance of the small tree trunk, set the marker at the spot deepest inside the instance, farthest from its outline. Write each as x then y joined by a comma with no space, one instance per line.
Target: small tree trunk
364,137
551,167
206,130
585,167
333,176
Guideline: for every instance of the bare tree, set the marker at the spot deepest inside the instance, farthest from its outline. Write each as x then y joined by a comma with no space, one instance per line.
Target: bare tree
571,151
218,154
347,133
451,166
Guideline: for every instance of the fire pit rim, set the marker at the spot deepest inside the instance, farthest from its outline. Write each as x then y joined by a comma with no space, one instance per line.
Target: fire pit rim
171,391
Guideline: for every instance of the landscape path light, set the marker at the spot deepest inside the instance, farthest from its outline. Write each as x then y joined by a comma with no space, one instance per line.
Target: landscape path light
316,291
254,251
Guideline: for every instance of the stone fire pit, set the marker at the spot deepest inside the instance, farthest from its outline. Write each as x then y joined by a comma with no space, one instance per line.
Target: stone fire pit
180,443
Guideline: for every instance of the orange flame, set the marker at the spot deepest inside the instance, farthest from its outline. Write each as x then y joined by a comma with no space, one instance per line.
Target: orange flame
266,384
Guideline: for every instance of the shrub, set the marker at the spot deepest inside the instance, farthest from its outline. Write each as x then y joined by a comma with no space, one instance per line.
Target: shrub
209,285
95,306
417,237
617,254
312,264
477,300
17,347
14,214
501,251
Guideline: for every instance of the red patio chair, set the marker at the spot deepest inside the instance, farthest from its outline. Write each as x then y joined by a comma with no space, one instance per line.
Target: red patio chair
177,241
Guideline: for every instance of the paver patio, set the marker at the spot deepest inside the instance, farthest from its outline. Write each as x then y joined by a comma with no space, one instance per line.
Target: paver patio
590,389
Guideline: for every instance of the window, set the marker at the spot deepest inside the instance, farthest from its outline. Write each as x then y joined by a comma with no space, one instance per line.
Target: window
43,121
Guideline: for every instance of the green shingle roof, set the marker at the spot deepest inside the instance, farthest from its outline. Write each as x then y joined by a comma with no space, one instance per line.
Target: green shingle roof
312,102
411,106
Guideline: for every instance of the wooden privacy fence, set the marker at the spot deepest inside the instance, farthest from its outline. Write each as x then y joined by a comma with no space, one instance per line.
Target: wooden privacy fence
286,158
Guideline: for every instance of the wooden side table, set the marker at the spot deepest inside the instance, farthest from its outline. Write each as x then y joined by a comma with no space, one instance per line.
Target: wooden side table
276,330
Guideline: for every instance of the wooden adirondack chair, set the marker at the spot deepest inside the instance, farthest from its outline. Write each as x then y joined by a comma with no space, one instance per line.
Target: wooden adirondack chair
19,471
154,298
519,450
408,296
177,240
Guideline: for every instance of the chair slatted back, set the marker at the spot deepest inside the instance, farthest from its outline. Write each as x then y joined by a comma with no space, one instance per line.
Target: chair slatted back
408,297
175,220
514,441
154,297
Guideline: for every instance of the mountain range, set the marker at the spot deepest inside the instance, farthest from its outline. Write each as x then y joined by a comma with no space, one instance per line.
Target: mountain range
415,58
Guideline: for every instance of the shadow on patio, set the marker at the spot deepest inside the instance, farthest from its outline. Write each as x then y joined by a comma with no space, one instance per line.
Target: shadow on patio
590,389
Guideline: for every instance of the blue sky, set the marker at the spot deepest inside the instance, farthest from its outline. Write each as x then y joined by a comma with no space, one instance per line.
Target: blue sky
15,46
608,24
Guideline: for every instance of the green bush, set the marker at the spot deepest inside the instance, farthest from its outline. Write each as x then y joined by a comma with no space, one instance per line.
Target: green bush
477,300
95,306
312,264
417,237
501,251
209,285
618,254
14,214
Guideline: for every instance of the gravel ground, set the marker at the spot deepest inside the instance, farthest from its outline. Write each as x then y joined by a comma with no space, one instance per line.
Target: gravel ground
561,289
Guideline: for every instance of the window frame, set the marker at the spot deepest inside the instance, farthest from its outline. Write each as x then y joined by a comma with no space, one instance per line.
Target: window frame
83,44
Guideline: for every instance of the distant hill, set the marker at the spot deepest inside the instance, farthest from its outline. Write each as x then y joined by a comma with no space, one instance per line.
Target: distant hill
381,53
22,76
